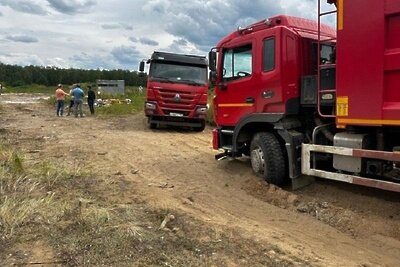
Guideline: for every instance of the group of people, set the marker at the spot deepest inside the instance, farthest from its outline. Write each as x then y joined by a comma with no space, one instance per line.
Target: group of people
77,96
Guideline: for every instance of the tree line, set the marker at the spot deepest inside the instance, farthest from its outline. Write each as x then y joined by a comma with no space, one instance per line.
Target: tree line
13,75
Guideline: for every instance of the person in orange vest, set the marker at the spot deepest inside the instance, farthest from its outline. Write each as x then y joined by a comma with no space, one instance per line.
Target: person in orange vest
60,96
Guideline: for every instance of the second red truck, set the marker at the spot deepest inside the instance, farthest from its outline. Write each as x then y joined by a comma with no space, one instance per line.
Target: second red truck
177,89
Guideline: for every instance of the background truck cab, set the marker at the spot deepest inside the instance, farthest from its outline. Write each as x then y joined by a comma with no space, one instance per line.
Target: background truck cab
176,90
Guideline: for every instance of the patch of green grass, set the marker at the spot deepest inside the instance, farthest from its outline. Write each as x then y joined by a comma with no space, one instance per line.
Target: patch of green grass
51,175
26,192
123,108
17,211
11,161
34,89
16,164
115,109
119,109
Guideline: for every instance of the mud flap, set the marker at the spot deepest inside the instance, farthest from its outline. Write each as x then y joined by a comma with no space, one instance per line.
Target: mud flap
302,181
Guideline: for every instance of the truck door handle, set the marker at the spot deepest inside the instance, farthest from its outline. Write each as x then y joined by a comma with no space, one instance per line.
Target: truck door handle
268,94
250,100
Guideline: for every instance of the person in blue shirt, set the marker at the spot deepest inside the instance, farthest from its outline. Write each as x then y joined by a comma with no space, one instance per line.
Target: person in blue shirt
78,95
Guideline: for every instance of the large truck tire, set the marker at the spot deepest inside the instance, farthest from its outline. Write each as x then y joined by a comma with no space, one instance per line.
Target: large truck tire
200,128
152,125
267,158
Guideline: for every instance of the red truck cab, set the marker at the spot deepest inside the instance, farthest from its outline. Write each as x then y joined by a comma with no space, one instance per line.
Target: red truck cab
303,100
258,77
259,68
176,90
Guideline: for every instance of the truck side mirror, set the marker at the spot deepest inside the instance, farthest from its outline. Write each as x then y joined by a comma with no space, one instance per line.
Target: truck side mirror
212,60
213,77
141,66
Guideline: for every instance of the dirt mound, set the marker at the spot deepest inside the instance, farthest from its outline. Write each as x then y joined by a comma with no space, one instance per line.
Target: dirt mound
356,222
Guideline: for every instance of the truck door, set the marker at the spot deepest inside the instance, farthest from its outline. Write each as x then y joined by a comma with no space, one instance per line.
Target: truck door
269,85
236,94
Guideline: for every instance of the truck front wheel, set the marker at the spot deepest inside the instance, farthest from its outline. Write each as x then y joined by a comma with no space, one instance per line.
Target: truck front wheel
152,125
201,127
267,158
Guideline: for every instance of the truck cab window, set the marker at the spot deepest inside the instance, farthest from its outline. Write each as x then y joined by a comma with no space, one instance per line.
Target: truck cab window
327,52
269,54
237,63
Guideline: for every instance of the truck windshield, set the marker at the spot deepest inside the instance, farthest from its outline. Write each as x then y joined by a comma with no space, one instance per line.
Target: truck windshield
177,73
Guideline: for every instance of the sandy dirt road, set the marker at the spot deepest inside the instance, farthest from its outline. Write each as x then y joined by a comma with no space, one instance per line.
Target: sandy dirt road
325,224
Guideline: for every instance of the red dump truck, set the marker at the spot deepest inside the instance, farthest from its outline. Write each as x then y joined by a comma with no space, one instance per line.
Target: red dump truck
177,89
301,99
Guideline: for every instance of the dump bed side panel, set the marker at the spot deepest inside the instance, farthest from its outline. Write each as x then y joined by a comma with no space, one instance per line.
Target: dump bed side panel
368,62
391,107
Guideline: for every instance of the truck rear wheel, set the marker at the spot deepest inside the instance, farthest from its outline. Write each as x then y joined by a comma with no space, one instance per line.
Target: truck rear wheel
267,158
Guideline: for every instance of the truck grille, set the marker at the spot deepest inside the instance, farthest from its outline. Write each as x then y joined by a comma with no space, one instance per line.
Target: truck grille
168,99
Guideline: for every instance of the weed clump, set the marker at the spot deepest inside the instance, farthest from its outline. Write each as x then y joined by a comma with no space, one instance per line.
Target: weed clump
24,199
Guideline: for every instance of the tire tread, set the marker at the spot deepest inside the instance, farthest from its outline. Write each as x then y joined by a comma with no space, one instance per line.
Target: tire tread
274,158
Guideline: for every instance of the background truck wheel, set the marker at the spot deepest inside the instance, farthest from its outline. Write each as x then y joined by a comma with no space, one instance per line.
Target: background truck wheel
267,159
200,128
153,125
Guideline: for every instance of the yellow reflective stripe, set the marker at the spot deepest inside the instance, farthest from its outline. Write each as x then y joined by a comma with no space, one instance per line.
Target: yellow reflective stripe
340,15
235,105
342,106
367,121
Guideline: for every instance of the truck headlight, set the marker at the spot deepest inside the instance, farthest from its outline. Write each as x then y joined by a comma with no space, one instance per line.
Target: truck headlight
201,110
150,106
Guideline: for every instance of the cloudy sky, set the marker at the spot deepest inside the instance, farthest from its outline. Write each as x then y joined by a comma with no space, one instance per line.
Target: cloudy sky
119,33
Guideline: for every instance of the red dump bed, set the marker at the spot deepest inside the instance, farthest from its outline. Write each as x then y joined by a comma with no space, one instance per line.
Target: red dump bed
368,62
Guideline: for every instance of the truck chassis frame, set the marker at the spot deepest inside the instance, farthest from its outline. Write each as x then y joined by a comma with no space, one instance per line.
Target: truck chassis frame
307,169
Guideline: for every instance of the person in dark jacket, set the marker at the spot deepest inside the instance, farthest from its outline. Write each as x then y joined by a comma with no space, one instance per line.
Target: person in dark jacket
90,100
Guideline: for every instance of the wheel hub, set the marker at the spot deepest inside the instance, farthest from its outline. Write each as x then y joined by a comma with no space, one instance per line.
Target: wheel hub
257,160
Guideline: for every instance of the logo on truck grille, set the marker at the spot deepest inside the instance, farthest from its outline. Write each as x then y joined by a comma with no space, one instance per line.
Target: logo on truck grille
177,98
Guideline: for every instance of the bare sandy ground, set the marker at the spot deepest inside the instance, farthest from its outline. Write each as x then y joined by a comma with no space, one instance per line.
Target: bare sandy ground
325,224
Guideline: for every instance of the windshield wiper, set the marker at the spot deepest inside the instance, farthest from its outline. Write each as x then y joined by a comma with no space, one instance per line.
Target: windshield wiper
174,80
191,82
162,79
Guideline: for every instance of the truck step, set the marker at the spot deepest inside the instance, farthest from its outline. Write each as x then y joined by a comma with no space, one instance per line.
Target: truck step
227,132
228,148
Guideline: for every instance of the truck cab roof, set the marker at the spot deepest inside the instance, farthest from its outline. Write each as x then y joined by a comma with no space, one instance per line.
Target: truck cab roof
179,58
303,27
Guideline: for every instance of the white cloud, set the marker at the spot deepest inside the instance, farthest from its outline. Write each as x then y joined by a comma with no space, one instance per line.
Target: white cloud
31,7
92,61
110,26
72,7
23,59
119,33
22,38
126,55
